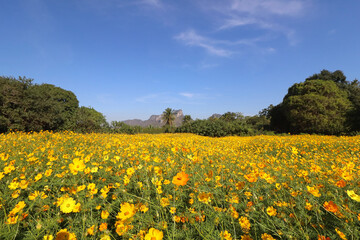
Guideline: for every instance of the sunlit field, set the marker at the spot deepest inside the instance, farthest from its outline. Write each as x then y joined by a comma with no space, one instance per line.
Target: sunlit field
178,186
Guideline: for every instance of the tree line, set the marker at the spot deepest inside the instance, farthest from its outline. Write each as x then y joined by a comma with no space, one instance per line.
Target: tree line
325,103
25,106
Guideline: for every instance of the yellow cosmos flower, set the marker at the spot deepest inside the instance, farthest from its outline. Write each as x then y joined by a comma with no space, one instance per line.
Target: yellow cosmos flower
245,224
164,202
67,205
90,230
38,177
105,237
314,191
63,234
180,179
12,219
266,236
104,214
353,195
127,210
225,235
246,237
341,234
77,166
48,237
271,211
154,234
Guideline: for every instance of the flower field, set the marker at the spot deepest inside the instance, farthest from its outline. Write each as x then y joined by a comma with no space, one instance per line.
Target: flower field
178,186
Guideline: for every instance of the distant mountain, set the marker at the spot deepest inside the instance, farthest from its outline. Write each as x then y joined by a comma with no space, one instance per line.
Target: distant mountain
215,116
156,120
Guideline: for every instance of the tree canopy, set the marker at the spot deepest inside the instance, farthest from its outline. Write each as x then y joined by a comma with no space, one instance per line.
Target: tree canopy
324,104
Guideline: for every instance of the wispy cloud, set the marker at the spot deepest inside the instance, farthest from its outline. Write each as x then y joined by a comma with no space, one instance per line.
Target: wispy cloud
186,94
273,7
153,3
264,14
191,38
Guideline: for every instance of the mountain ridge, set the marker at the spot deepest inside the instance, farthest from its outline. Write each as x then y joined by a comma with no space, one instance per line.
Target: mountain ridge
156,120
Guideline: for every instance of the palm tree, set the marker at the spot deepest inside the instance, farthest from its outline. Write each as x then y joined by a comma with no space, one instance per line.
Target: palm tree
168,117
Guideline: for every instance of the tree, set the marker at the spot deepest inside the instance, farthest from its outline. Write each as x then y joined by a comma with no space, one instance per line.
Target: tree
88,119
50,108
168,117
13,103
316,106
232,116
337,76
187,119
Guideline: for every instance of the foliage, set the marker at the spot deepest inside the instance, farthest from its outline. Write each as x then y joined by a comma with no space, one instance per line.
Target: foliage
88,120
216,128
168,117
324,104
50,108
25,106
178,186
187,119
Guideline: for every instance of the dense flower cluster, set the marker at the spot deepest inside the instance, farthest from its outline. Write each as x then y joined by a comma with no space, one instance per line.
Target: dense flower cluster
178,186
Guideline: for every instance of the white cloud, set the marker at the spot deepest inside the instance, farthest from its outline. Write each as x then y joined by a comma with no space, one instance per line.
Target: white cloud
186,94
191,38
268,7
153,3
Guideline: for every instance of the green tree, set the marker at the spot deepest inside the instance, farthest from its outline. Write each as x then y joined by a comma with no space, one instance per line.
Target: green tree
232,116
88,119
336,76
50,108
168,117
187,119
14,103
316,106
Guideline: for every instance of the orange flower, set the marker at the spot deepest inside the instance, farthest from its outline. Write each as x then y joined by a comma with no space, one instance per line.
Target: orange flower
103,227
341,183
331,206
180,179
323,238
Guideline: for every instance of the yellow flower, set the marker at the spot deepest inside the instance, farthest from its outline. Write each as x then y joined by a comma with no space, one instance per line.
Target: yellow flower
246,237
80,188
154,234
164,202
127,210
173,210
18,207
90,230
105,237
38,177
314,191
266,236
271,211
353,195
130,171
204,197
48,237
48,172
63,234
13,185
104,214
245,224
144,208
12,219
341,234
225,235
67,205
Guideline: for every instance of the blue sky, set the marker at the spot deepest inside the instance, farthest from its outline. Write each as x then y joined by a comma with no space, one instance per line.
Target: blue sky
133,58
